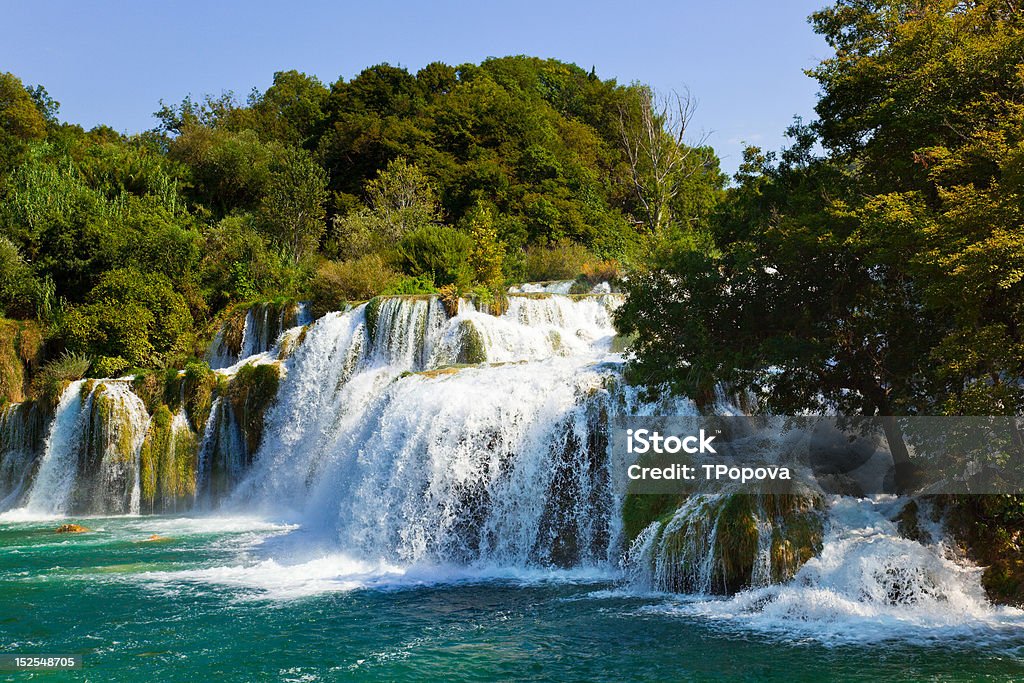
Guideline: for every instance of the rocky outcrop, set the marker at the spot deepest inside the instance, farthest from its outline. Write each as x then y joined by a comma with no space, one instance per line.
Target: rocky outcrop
721,543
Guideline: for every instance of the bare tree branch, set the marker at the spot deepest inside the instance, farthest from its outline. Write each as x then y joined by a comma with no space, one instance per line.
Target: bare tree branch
660,160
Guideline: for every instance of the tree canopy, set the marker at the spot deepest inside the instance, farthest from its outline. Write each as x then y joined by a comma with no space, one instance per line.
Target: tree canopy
469,176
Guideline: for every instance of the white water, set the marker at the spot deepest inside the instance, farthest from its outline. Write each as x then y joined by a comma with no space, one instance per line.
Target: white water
107,443
482,465
51,489
261,334
18,425
868,584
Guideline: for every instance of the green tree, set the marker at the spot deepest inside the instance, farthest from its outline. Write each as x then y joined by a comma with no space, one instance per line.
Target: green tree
487,254
21,121
292,210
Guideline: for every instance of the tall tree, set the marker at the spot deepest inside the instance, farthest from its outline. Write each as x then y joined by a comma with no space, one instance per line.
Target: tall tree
292,211
653,128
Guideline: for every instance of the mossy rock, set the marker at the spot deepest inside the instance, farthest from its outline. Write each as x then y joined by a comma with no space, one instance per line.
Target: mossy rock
640,510
908,523
472,349
251,391
233,330
21,351
371,314
168,463
148,385
199,386
722,534
621,342
989,529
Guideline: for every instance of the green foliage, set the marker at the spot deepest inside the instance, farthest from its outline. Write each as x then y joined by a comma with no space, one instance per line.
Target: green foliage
21,121
229,202
54,377
336,283
135,316
20,352
438,252
20,291
400,199
561,261
409,285
486,254
885,277
109,366
291,211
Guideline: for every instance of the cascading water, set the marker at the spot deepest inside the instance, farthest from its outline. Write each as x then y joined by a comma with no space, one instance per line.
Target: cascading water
55,480
91,458
401,438
256,331
867,583
22,432
378,442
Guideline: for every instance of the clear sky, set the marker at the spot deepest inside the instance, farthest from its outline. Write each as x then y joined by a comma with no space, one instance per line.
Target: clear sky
111,62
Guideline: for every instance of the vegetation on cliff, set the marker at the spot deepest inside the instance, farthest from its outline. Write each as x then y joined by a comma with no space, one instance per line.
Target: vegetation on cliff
127,249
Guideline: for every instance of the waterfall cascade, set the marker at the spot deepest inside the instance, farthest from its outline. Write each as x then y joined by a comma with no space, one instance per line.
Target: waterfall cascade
867,583
254,330
399,433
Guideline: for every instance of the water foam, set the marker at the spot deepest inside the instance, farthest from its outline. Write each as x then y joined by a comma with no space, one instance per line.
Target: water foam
869,584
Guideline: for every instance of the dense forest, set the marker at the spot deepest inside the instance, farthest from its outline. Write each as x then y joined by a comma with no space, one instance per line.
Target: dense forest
876,266
120,252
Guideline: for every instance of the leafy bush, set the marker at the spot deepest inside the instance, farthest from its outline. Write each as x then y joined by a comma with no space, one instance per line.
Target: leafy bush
19,289
109,366
135,316
354,280
563,261
408,286
440,252
238,265
55,376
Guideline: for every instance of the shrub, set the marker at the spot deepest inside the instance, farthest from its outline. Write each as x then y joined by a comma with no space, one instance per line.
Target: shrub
354,280
55,376
439,252
563,261
109,366
19,289
487,254
408,286
136,316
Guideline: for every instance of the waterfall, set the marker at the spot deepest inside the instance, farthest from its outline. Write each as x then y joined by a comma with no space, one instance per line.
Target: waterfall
51,489
253,331
385,445
108,480
90,460
400,434
868,583
21,442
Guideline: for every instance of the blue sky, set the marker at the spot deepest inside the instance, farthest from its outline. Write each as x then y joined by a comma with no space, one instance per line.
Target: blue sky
111,62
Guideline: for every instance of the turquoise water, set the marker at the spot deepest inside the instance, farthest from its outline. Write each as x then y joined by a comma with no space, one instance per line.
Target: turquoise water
205,603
